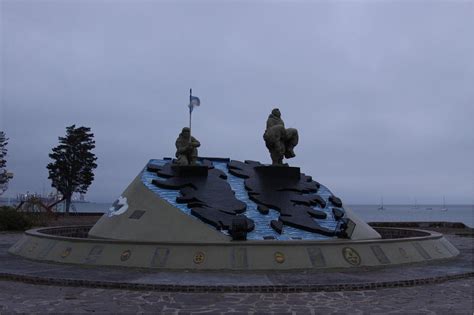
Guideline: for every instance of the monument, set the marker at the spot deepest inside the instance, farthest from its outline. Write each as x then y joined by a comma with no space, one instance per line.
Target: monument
280,142
186,148
195,212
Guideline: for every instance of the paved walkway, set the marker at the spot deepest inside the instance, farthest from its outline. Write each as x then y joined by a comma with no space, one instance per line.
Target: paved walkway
452,297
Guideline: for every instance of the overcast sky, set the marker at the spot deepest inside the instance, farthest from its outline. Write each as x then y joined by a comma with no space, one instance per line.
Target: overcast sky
382,92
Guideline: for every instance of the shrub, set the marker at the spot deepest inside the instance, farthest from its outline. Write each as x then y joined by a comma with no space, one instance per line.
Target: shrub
12,220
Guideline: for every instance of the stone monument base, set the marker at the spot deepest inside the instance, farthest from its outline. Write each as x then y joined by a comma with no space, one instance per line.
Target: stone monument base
71,245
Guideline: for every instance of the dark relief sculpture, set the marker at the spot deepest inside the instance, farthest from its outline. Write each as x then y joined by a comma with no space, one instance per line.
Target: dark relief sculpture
280,142
205,190
287,191
186,148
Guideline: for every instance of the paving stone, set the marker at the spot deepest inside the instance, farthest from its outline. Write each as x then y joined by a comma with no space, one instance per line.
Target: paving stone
451,297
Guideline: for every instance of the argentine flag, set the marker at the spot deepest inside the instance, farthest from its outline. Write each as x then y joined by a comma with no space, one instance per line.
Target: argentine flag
193,101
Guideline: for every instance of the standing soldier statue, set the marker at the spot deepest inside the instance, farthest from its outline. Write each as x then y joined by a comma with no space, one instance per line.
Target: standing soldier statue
280,142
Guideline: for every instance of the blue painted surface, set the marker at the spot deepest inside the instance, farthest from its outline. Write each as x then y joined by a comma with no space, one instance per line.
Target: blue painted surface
262,222
166,194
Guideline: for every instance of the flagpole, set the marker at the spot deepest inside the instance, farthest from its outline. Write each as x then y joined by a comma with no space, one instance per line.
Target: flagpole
190,111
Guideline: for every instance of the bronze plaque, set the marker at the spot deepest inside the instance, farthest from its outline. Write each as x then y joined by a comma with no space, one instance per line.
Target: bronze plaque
66,252
125,255
351,256
199,258
279,257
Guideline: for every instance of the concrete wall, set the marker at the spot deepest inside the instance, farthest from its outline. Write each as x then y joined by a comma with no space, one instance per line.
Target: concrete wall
248,255
161,222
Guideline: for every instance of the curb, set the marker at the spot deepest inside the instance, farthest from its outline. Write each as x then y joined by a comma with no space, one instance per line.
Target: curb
238,289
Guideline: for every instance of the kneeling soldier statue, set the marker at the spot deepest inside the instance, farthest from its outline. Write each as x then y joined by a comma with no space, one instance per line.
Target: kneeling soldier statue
186,148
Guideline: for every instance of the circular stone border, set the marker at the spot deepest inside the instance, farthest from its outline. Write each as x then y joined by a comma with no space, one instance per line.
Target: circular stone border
232,288
70,245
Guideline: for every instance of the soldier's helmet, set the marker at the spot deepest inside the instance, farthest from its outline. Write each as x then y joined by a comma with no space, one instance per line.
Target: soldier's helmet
276,112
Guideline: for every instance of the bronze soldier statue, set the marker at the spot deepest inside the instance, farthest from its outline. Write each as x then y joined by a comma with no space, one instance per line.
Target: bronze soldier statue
280,142
186,148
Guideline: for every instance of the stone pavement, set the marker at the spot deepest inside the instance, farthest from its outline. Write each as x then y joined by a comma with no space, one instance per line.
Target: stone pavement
451,297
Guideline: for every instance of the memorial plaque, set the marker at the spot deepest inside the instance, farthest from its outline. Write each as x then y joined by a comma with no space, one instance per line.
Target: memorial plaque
137,214
403,253
66,252
316,257
126,254
379,253
239,258
351,256
160,257
94,253
46,249
199,258
421,251
279,257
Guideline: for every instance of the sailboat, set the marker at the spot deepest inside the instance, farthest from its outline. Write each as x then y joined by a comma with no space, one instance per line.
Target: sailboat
444,205
381,204
415,206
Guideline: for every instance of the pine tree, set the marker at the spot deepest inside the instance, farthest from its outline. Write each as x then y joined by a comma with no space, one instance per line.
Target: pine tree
73,163
4,175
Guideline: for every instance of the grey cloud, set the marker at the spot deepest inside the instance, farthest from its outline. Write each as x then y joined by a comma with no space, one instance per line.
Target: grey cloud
380,91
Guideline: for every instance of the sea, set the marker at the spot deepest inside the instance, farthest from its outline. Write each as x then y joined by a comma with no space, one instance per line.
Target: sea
369,213
420,213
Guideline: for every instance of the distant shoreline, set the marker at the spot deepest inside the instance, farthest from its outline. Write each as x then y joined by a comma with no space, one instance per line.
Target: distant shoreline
4,200
463,213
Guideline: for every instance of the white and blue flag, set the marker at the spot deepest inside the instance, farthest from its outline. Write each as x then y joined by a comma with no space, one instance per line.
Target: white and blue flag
193,101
